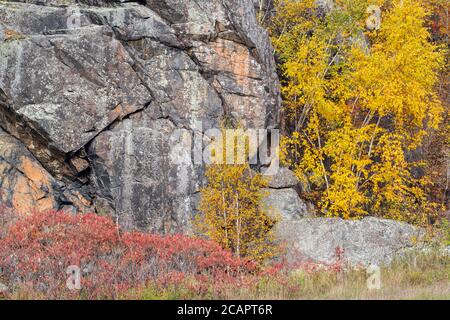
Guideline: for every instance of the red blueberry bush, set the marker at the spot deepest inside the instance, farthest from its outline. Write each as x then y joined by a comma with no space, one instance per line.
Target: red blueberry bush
37,249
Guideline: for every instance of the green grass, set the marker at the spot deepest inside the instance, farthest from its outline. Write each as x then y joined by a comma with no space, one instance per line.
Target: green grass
424,276
427,276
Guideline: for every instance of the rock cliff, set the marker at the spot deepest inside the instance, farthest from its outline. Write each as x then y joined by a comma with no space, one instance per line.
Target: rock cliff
96,96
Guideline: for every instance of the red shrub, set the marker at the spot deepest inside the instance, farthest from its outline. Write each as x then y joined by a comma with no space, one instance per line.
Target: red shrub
37,249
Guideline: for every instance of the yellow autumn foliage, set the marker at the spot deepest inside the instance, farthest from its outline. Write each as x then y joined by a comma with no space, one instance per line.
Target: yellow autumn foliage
358,101
232,211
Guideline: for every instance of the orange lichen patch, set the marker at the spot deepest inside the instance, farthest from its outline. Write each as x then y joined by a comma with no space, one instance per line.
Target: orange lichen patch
31,189
79,164
229,56
82,199
11,34
79,202
22,199
34,172
121,111
25,198
45,204
115,113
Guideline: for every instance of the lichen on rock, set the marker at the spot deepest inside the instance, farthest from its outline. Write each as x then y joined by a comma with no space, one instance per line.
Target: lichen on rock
101,92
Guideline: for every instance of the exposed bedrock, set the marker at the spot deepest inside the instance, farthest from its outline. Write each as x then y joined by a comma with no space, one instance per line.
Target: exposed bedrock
27,186
369,241
103,95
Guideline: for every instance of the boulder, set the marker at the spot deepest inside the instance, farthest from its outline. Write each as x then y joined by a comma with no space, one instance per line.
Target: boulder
284,178
285,203
362,242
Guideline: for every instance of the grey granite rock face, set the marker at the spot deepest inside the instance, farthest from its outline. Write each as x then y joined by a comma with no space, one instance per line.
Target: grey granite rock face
286,204
136,169
367,241
106,95
284,178
80,88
